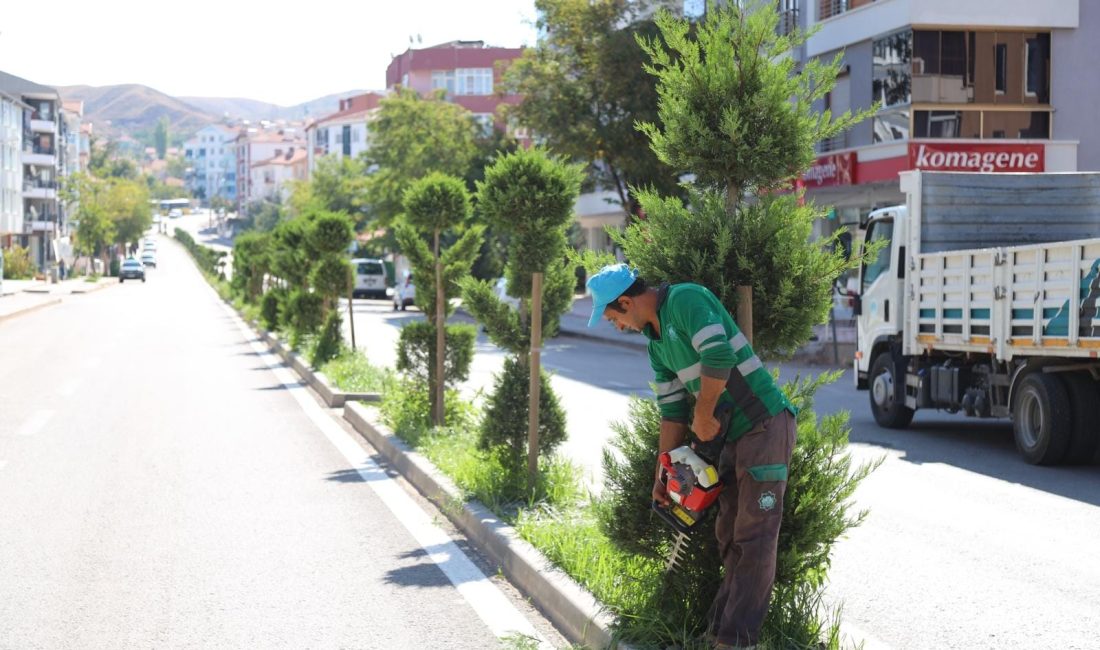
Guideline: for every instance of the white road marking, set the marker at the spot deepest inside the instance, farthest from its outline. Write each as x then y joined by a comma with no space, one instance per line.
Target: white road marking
490,604
35,423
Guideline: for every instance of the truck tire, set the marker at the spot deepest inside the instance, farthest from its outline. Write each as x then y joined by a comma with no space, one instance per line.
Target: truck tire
1041,419
1084,399
887,382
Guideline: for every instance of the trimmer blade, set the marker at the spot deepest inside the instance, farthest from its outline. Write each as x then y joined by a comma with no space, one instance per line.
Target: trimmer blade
678,547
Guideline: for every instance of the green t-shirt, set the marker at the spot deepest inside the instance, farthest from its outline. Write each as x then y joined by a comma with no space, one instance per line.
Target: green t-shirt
698,337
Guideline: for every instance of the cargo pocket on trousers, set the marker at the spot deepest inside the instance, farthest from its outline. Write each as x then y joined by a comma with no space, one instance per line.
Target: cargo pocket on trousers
768,498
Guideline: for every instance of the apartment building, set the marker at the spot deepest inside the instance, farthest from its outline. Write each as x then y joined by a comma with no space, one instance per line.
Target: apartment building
992,86
11,169
42,166
343,133
469,72
254,144
212,162
271,178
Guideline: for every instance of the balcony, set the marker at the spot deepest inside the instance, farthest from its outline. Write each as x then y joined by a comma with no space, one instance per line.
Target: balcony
44,126
830,8
36,188
40,156
788,21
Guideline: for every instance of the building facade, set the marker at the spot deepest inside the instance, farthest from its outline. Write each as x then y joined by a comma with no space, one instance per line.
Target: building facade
254,144
212,161
995,88
345,132
271,178
11,169
469,73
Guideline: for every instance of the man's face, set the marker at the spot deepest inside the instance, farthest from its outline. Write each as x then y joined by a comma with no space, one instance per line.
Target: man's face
626,320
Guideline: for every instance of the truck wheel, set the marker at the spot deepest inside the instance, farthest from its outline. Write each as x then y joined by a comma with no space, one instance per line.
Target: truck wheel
1041,419
887,381
1085,401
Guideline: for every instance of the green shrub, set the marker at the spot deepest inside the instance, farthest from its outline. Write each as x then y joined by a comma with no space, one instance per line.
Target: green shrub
405,409
251,261
331,341
352,372
305,313
504,426
270,308
816,512
330,233
18,264
113,267
416,352
331,277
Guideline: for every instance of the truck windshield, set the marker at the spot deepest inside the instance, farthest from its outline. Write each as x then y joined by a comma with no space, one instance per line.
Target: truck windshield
878,231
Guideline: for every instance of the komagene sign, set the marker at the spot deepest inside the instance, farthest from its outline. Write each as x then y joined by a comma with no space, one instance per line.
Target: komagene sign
837,169
966,157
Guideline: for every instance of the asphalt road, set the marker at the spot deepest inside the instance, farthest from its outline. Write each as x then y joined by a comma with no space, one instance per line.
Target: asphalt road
965,545
161,485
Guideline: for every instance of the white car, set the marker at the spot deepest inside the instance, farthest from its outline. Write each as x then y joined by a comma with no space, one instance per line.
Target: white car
501,290
404,294
149,258
370,278
175,213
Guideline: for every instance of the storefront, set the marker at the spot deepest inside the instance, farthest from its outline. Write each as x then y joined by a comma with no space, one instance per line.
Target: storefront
853,183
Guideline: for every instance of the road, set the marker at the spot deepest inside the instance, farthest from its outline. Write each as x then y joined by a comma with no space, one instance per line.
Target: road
965,545
165,483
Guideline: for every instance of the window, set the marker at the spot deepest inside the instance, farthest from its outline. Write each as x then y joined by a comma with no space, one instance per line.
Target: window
346,139
891,69
1001,69
891,125
879,231
1036,59
474,81
444,80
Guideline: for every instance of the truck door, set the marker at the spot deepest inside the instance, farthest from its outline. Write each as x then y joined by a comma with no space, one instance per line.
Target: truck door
878,289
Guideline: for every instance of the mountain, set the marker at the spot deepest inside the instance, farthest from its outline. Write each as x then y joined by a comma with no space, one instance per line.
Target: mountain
133,107
251,109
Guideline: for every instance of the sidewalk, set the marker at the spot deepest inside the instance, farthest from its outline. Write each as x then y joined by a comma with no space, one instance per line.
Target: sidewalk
24,296
817,352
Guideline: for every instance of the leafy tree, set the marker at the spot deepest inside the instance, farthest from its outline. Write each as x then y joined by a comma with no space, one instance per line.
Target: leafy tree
95,232
584,87
18,264
126,203
528,195
411,137
433,205
339,185
160,137
177,167
251,262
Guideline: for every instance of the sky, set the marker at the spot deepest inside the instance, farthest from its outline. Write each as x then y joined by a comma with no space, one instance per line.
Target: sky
278,51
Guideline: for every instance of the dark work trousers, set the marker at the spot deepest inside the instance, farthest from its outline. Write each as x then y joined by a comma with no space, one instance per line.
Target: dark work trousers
750,511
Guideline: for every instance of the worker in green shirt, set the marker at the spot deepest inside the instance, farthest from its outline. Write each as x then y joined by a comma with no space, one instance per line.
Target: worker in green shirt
697,350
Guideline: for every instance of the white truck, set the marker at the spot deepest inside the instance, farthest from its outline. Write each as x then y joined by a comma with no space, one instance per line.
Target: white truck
985,300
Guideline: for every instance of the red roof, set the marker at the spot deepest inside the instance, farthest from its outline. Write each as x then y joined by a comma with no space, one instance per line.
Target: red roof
448,56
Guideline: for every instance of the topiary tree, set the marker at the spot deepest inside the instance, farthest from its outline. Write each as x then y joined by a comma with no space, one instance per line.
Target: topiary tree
529,196
434,205
251,263
745,128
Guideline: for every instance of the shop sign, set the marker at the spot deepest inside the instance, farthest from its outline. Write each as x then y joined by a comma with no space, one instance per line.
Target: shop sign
837,169
987,158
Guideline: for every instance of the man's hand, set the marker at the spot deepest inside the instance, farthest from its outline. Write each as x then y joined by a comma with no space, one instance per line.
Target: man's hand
705,425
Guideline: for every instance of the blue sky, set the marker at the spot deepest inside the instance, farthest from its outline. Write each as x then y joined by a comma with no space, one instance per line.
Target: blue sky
279,51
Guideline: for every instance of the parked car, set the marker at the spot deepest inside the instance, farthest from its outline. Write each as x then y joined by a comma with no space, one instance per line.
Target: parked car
501,289
149,245
404,294
175,213
131,269
370,278
149,258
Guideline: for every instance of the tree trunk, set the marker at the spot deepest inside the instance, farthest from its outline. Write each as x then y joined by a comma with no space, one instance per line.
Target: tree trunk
744,311
440,342
533,411
351,313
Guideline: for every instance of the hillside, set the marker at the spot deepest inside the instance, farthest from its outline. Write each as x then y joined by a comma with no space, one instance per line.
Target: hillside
133,107
251,109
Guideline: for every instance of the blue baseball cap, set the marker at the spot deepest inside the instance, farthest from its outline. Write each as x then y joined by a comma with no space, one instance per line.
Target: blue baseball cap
606,286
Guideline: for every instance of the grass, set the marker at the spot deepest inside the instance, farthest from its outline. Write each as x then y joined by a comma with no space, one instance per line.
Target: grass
352,372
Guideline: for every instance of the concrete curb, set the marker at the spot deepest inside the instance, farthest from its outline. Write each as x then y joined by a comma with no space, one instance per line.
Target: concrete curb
26,310
568,605
331,396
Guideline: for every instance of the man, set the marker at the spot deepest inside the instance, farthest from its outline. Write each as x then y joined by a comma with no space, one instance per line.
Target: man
695,347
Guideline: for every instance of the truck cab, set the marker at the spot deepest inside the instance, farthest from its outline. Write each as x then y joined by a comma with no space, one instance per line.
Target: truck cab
881,290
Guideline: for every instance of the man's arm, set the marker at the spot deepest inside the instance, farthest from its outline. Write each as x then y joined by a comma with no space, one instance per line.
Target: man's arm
704,424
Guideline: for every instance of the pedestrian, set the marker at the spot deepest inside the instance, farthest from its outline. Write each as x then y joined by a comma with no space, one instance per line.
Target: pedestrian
61,268
696,349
